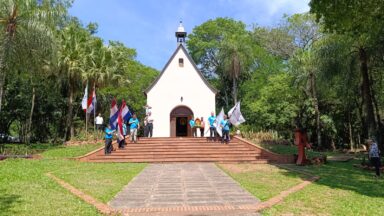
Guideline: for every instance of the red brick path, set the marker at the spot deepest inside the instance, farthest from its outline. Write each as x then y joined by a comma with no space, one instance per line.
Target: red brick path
105,209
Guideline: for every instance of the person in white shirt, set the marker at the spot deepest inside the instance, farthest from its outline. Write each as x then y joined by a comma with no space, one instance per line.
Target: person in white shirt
150,124
148,109
99,121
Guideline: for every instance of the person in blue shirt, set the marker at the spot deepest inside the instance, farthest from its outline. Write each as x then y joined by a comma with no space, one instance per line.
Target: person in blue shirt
134,122
108,140
212,128
192,124
225,128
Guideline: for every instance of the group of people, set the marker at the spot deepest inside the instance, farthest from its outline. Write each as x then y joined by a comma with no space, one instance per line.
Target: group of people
134,125
224,124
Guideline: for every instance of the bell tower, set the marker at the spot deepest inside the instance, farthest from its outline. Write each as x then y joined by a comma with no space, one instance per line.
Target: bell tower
180,34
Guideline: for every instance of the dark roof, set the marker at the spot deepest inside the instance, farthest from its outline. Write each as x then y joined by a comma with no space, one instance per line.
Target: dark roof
194,65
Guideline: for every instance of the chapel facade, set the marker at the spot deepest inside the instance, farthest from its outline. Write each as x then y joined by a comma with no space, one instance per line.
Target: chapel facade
179,94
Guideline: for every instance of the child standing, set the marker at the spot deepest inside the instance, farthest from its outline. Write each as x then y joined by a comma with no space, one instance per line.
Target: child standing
225,128
212,128
134,122
202,127
108,140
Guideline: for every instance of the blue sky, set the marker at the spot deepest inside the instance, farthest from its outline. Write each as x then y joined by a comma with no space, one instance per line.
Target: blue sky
149,25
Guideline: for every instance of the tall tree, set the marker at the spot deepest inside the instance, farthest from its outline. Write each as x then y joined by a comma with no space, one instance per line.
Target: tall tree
25,25
221,48
72,65
362,21
305,33
236,55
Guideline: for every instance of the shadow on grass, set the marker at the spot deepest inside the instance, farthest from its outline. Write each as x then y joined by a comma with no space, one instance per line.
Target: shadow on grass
7,201
342,175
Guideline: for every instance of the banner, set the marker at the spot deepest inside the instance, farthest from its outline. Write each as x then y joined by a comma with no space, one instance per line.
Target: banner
113,115
235,116
219,118
92,103
84,102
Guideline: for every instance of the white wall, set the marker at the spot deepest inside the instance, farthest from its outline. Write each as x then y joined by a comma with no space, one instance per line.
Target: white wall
177,82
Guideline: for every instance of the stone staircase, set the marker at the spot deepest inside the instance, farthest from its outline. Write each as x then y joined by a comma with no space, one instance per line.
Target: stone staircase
154,150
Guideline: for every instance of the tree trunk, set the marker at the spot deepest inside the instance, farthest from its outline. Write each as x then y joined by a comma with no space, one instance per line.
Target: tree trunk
350,131
375,103
2,81
379,133
316,107
68,125
333,145
28,137
234,90
366,93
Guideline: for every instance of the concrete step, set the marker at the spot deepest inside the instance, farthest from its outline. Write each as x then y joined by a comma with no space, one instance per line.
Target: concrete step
183,151
160,160
177,142
157,150
184,143
144,147
150,156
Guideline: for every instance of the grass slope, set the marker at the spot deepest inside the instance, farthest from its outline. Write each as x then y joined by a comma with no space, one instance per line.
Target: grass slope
262,180
341,190
26,190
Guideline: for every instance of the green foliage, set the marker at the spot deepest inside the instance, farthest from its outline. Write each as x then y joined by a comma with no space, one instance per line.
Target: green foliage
275,108
360,19
224,50
300,73
42,95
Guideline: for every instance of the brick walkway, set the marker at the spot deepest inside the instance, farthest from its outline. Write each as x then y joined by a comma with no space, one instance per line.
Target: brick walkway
183,187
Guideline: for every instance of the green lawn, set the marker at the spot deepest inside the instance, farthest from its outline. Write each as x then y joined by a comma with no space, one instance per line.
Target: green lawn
341,190
262,180
26,190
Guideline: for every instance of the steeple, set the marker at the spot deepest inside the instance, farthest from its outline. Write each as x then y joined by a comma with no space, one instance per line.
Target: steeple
180,34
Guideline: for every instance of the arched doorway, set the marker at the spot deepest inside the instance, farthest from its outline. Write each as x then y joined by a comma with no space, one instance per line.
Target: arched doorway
179,118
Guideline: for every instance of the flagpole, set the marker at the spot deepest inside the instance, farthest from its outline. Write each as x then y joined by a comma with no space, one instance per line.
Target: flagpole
86,125
86,117
94,112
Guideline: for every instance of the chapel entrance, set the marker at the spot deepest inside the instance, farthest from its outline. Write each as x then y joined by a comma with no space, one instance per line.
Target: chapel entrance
179,118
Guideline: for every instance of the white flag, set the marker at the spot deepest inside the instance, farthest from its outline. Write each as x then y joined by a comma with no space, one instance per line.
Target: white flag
219,118
85,99
235,116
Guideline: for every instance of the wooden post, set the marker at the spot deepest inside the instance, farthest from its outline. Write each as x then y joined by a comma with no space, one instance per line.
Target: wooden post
301,142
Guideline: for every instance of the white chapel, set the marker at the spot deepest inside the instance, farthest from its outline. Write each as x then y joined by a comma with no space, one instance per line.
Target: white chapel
179,94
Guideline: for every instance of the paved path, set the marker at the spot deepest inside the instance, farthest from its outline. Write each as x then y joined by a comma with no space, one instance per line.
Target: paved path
182,185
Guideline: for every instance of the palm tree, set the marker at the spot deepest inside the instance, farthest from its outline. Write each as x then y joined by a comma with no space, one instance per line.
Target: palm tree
72,64
305,65
24,25
84,58
26,29
235,54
